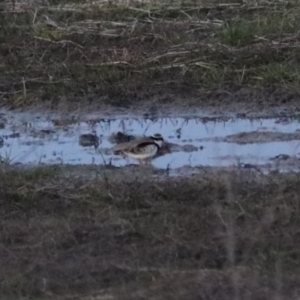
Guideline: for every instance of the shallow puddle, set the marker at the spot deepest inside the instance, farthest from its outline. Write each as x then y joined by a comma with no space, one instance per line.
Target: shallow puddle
35,139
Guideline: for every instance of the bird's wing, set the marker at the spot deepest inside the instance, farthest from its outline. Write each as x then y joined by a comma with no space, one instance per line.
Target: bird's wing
137,148
130,145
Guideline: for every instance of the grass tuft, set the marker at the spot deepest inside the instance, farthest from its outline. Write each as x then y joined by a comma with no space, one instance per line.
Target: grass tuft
282,73
244,32
238,34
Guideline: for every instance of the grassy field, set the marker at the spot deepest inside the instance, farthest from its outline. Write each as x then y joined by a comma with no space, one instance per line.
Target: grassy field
219,235
96,233
140,54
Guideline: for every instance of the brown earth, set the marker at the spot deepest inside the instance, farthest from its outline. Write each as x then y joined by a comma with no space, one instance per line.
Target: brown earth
244,102
256,137
218,235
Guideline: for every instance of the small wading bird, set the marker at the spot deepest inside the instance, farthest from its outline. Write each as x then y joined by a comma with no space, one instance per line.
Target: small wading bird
141,148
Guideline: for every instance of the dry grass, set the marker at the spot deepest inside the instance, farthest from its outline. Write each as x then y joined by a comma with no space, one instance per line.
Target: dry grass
117,53
221,236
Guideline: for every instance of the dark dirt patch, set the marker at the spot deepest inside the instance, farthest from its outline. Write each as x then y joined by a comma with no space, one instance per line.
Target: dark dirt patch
215,235
242,102
258,137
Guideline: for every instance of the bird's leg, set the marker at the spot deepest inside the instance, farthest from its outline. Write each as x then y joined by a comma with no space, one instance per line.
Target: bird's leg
141,162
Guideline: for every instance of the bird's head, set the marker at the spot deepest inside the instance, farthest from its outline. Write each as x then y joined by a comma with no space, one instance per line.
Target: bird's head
158,139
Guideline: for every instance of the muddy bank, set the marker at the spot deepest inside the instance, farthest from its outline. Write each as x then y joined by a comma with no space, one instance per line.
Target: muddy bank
258,137
244,102
242,174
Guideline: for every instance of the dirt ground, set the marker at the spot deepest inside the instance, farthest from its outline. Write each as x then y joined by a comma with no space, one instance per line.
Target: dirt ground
92,232
221,234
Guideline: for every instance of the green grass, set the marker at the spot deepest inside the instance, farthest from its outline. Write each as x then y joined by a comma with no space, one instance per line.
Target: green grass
282,73
238,34
245,32
51,34
29,174
279,23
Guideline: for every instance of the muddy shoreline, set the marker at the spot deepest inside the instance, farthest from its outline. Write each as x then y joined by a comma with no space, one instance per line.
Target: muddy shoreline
248,103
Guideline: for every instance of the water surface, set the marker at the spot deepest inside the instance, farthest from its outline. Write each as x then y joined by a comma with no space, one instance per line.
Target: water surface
36,139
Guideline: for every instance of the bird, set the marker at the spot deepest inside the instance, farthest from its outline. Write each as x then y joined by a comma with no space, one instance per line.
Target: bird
141,148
